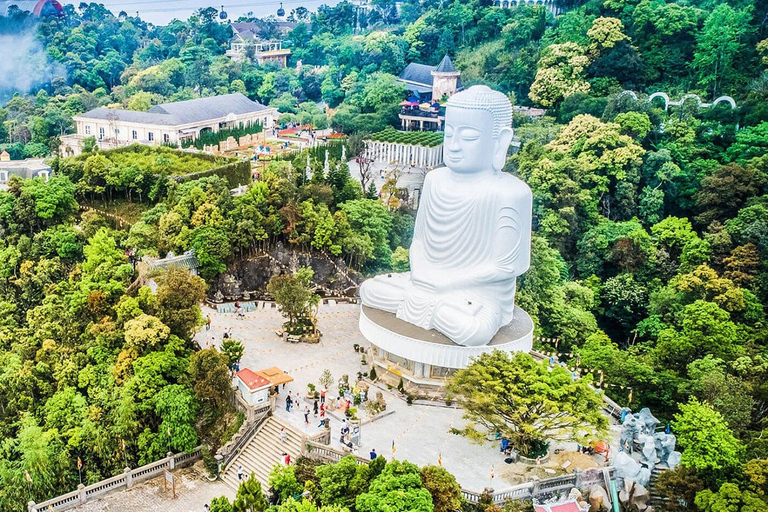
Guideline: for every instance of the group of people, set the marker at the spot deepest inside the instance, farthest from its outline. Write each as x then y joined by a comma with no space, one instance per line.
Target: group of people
318,407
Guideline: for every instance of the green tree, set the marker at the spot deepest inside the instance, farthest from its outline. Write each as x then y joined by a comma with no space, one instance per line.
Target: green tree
730,497
282,479
176,406
249,497
678,487
445,490
293,296
719,44
233,350
178,296
221,504
708,445
397,489
208,375
525,401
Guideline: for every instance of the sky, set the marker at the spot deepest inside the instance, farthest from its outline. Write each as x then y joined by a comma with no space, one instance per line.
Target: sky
160,12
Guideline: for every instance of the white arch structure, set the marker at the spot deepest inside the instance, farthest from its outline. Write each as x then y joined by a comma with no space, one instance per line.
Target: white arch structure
667,102
551,5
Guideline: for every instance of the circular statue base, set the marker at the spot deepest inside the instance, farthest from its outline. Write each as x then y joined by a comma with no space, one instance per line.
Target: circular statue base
424,358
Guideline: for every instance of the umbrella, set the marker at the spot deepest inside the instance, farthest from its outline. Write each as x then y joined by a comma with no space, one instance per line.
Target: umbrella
405,103
425,106
601,447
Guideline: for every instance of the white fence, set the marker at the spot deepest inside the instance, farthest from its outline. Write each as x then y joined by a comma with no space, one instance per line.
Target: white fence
127,479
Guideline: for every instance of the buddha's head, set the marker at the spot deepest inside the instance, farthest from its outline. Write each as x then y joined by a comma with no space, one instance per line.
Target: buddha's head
477,130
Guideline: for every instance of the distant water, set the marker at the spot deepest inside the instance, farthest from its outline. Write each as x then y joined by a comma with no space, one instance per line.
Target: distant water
160,12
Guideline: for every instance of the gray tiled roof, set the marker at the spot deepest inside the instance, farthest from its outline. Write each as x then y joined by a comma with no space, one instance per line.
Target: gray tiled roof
418,73
446,66
182,112
261,29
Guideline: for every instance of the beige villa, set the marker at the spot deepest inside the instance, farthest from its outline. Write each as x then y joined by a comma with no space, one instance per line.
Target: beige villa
169,123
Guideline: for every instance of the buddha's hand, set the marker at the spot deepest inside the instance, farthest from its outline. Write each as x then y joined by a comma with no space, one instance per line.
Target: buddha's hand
436,281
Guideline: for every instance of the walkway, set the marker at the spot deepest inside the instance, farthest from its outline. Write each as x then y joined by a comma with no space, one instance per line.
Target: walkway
420,432
192,493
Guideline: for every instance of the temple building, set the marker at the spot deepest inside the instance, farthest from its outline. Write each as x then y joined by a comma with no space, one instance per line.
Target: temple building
261,42
427,85
169,123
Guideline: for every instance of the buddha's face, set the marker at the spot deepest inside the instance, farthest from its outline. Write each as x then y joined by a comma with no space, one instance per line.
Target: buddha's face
469,145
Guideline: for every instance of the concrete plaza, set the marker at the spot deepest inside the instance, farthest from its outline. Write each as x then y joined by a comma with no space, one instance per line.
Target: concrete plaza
420,432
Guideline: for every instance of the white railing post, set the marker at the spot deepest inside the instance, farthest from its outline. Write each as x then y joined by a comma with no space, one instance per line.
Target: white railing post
81,493
128,478
171,461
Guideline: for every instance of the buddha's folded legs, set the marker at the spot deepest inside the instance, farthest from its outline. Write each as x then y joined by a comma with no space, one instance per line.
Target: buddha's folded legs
385,292
466,323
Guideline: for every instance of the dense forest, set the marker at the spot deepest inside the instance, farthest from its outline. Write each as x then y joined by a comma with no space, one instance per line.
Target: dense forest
650,249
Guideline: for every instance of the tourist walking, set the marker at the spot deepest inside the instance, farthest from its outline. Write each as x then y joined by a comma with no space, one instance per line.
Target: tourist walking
322,397
283,434
306,414
208,323
373,454
315,408
288,403
240,472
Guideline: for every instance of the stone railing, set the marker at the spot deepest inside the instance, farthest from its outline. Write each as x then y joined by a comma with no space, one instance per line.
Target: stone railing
324,453
543,488
255,418
127,479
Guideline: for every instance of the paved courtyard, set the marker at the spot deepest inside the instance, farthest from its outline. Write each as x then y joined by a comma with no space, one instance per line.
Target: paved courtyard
193,492
420,432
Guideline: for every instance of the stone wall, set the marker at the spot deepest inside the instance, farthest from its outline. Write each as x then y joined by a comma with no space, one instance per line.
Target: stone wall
332,276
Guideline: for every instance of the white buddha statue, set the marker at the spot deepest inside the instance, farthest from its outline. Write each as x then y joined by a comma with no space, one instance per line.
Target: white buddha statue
473,230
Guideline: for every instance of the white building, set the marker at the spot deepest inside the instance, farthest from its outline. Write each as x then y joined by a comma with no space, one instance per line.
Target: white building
169,123
255,40
254,387
25,169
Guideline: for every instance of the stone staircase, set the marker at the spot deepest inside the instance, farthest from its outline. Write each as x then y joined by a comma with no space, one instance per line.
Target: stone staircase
264,451
655,500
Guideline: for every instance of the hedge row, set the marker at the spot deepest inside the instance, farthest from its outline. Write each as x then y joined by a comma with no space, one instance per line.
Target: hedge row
236,174
427,139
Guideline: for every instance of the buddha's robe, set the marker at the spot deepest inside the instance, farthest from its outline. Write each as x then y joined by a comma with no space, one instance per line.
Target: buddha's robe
472,239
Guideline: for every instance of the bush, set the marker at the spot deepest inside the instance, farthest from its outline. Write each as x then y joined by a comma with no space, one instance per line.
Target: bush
209,461
373,375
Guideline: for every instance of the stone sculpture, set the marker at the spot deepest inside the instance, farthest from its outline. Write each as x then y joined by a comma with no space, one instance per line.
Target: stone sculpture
648,422
473,230
598,499
628,468
635,496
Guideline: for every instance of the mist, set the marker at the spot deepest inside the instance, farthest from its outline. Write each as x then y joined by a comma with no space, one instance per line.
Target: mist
24,64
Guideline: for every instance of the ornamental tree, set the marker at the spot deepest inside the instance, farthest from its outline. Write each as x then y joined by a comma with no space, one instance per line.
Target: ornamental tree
294,296
525,401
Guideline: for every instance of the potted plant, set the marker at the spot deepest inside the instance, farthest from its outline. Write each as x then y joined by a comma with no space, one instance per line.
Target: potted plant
356,347
311,390
363,361
372,375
